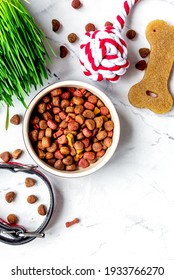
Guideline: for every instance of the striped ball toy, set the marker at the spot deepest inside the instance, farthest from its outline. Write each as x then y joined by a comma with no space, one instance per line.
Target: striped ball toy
103,53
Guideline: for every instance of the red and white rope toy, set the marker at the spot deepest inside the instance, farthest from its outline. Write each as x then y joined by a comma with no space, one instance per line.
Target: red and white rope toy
103,53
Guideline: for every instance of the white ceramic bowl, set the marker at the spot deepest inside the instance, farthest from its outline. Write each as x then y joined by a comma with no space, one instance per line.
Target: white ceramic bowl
92,167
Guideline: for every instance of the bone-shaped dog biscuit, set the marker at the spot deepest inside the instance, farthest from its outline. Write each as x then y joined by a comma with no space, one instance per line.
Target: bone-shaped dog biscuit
152,91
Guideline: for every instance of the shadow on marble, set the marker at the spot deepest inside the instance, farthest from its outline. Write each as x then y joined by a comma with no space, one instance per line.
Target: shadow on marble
126,133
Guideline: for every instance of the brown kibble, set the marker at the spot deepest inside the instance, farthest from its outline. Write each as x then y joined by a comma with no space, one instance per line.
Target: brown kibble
63,51
46,142
68,160
12,219
144,52
30,182
41,154
51,161
72,37
131,34
55,25
107,142
35,119
79,145
90,27
47,116
109,125
32,199
59,165
64,150
98,121
100,153
97,147
76,4
41,210
108,23
5,156
90,124
49,155
141,65
17,153
101,135
33,135
10,196
88,114
15,119
104,111
41,109
71,167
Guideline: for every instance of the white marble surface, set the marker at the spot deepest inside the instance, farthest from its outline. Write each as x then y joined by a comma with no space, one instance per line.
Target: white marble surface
126,209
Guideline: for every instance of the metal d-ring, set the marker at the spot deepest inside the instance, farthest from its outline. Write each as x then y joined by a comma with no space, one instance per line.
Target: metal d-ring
31,234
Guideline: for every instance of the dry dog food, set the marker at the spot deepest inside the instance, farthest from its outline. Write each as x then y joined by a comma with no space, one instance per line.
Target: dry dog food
75,221
76,4
63,51
15,119
131,34
41,210
55,25
108,23
10,196
152,92
144,52
5,156
72,37
17,153
30,182
32,199
141,65
90,27
12,219
70,128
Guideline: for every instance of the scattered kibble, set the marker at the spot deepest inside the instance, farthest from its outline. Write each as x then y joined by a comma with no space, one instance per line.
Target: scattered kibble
30,182
5,156
72,37
63,51
55,25
41,210
89,27
15,119
76,4
73,222
141,65
131,34
32,199
17,153
12,219
144,52
10,196
108,23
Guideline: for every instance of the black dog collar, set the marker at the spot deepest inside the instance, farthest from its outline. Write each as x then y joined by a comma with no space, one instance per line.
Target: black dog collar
17,234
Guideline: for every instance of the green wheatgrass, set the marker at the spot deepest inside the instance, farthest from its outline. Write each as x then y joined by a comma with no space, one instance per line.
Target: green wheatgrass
22,52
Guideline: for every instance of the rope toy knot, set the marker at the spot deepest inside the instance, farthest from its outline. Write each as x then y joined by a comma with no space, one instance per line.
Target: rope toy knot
103,53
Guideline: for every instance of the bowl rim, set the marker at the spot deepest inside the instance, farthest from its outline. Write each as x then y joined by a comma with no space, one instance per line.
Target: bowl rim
93,167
